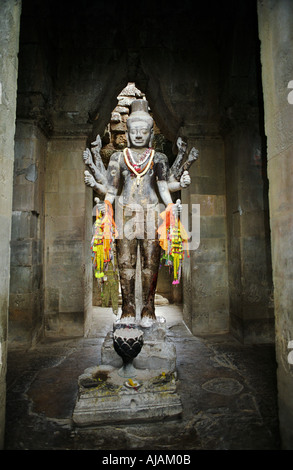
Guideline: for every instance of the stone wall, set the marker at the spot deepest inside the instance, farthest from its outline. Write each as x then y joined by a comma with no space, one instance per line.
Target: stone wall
27,239
248,248
65,238
9,37
251,294
206,300
276,34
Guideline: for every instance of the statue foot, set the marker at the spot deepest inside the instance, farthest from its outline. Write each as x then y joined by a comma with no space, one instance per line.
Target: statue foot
148,316
128,314
148,312
146,322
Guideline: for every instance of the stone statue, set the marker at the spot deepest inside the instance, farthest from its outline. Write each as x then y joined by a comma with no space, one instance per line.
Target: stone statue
144,176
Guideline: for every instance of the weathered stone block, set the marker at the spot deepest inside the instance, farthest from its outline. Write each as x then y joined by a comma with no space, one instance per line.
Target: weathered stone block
122,110
5,228
208,184
61,204
71,323
21,279
119,127
6,177
213,162
210,204
219,320
71,181
125,100
24,197
65,228
71,299
281,197
65,154
120,141
21,253
65,252
52,181
210,250
109,400
21,304
115,118
212,227
52,299
24,225
62,275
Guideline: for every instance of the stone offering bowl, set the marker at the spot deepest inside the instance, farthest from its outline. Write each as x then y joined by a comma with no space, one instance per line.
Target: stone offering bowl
128,341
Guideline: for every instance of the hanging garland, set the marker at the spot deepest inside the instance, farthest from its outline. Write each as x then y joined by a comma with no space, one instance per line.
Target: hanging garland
102,244
135,167
173,240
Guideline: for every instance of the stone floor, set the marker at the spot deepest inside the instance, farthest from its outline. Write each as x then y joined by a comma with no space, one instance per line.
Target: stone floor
228,392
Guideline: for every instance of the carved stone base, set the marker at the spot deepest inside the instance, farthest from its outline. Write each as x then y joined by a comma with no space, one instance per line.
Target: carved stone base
157,352
105,397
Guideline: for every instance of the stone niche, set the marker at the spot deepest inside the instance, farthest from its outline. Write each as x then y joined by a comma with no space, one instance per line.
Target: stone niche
67,95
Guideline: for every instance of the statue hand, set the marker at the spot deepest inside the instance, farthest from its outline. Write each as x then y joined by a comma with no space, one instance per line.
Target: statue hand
101,206
177,208
193,155
185,179
97,144
181,145
89,179
87,157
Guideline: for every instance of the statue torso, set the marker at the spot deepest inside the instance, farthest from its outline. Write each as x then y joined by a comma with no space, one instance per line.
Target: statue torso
144,193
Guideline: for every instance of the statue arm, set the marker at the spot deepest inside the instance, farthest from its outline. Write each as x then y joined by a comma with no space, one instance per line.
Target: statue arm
162,170
179,176
181,146
175,185
90,181
98,173
164,192
113,177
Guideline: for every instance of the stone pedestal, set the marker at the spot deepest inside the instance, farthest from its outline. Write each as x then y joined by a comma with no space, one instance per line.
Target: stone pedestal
106,397
157,353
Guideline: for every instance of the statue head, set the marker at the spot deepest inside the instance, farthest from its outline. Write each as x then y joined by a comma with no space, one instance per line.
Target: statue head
139,125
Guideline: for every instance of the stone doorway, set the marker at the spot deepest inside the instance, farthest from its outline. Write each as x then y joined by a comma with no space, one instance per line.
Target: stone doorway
193,92
211,91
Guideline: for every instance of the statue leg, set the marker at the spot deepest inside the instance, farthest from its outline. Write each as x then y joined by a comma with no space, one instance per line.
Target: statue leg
150,260
126,258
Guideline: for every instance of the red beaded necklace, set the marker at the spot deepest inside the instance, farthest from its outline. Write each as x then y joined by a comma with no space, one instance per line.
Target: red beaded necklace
136,167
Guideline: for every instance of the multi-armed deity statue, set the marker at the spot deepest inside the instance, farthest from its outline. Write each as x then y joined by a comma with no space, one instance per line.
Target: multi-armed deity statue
147,182
138,180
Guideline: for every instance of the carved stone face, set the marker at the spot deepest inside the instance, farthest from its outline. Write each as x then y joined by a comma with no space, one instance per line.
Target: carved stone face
139,134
